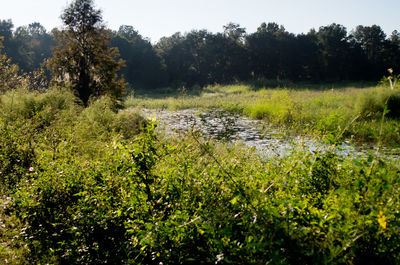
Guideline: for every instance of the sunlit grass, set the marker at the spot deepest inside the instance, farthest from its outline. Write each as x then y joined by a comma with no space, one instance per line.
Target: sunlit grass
341,112
70,175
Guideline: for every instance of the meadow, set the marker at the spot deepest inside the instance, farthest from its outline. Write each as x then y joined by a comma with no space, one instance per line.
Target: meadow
86,179
99,185
329,111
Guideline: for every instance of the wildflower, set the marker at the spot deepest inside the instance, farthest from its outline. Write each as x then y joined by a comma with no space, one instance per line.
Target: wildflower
390,70
390,78
382,220
154,119
31,169
219,258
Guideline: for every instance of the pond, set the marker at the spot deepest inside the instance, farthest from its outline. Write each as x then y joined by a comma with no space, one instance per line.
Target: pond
225,126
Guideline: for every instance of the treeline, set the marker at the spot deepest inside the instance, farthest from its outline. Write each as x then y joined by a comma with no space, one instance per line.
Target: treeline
199,57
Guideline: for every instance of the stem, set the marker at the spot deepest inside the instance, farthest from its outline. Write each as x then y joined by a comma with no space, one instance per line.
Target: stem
385,111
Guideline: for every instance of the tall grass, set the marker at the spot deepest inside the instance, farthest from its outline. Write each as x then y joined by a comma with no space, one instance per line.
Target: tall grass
95,186
33,124
349,112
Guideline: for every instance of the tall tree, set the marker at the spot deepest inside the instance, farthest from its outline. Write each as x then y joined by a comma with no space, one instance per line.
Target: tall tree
11,47
263,47
234,31
234,53
175,57
83,57
34,46
334,49
143,67
9,77
372,39
306,56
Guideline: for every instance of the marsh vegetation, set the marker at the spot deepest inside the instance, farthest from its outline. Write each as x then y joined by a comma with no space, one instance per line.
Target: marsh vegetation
94,185
86,178
328,112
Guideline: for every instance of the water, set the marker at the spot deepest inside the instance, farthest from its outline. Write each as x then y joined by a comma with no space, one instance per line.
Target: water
225,126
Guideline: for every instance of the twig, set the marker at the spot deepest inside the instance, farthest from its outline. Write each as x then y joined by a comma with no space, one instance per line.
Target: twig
270,186
188,223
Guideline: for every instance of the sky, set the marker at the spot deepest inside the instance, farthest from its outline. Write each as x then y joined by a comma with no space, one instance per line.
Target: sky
158,18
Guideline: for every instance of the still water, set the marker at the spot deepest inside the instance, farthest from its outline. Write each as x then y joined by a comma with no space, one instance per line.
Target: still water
228,127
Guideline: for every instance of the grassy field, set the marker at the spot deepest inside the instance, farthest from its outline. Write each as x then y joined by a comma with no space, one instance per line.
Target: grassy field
331,112
95,185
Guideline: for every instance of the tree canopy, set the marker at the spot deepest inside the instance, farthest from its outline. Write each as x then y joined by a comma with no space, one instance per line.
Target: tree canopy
86,56
8,71
83,57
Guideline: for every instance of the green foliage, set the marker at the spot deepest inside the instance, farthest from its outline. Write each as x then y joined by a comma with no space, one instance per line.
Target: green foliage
93,186
277,109
99,123
9,77
16,156
33,124
33,44
150,201
331,111
143,68
83,58
12,249
371,104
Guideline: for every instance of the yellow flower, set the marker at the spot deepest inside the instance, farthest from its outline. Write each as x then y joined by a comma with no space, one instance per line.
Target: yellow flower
390,70
154,119
382,220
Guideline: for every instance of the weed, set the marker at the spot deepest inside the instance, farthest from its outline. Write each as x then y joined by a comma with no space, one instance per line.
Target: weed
100,186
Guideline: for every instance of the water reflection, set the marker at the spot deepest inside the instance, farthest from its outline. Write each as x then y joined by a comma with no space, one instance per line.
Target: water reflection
229,127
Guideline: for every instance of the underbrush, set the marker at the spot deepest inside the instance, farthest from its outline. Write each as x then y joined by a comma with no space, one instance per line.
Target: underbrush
33,124
93,186
193,201
371,104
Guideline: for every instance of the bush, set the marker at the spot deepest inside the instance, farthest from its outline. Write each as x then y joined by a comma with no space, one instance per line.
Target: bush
168,201
33,124
99,122
128,123
371,104
78,212
21,104
277,109
393,105
16,157
83,188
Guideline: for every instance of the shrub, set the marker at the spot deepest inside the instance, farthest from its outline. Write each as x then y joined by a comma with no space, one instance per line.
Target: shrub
393,105
16,157
169,201
84,188
277,109
128,123
99,122
371,104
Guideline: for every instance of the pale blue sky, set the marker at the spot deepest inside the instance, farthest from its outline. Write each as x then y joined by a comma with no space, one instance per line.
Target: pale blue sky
157,18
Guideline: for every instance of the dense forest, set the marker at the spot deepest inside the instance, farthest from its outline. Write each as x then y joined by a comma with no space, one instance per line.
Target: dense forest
200,57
